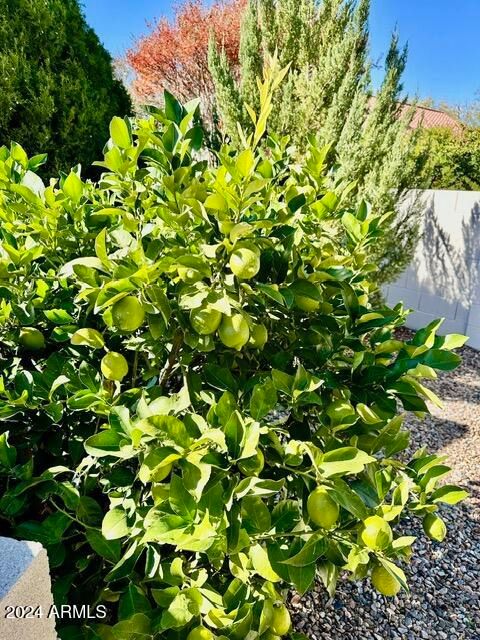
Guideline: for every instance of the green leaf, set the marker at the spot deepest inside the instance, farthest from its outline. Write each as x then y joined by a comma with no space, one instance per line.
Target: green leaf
184,607
104,443
216,201
19,154
255,514
315,547
89,511
234,433
449,494
88,337
195,134
306,289
348,499
73,187
133,601
440,359
245,162
101,250
156,463
261,563
258,487
219,378
120,133
58,316
181,501
236,594
297,202
138,627
344,461
126,563
263,400
173,109
394,571
225,407
167,429
302,577
285,516
108,549
328,573
8,454
452,341
115,524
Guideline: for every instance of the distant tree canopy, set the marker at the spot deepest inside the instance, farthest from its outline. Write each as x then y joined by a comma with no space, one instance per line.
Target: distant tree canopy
450,160
174,55
57,89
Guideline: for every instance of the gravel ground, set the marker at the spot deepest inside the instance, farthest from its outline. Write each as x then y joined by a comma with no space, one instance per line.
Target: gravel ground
444,579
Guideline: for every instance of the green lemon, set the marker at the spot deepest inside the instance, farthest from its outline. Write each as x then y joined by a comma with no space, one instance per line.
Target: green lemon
281,622
376,533
384,582
32,339
200,633
322,509
252,466
114,366
189,274
233,331
307,304
205,320
434,527
245,262
268,635
128,314
258,336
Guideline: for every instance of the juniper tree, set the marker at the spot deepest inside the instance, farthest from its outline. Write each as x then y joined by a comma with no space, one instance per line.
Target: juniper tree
57,89
328,93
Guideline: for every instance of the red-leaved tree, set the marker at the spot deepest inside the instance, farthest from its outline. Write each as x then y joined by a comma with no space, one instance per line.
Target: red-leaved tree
174,55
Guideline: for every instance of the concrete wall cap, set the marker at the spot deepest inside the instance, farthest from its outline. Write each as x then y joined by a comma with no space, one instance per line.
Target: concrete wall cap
16,556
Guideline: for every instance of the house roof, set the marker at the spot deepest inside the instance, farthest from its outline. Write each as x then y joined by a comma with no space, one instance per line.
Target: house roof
432,118
427,118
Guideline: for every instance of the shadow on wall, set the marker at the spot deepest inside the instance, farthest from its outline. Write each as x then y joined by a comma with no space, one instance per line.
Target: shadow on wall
451,268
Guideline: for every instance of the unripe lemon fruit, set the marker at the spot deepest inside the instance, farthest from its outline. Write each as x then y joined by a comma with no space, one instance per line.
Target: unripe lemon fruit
200,633
322,509
307,304
128,314
252,466
434,527
245,262
114,366
258,336
189,274
384,582
281,622
205,320
376,533
233,331
32,339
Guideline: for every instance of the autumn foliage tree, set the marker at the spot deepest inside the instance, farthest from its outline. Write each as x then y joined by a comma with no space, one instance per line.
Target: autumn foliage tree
174,55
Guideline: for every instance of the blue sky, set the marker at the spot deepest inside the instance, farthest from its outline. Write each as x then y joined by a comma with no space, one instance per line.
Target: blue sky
444,45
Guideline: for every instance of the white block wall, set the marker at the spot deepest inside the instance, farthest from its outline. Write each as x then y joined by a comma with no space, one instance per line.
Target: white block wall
443,279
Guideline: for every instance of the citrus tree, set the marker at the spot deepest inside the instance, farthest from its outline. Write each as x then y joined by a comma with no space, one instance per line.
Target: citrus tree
200,407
